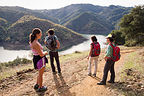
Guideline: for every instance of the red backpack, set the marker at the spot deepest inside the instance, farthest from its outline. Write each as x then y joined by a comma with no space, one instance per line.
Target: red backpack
96,49
116,53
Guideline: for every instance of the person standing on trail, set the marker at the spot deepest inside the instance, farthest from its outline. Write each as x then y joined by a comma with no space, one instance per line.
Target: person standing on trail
53,44
93,55
109,65
39,59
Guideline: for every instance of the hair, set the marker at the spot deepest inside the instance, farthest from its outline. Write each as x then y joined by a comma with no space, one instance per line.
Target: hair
93,38
33,34
51,31
111,39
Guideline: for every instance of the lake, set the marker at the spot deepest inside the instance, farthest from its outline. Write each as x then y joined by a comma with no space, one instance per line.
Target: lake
9,55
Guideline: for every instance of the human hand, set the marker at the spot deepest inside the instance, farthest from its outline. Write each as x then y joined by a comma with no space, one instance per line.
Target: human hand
105,58
88,57
45,53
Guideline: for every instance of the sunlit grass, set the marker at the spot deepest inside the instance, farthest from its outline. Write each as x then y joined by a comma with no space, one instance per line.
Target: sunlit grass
10,71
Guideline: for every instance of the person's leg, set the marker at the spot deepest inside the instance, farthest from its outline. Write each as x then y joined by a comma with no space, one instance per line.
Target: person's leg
105,73
52,61
40,77
57,61
112,71
95,62
89,65
106,69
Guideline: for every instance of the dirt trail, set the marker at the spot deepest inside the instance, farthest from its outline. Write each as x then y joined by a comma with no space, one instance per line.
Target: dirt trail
73,81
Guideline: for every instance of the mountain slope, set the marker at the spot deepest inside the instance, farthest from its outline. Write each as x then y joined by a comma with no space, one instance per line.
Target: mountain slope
12,14
89,23
18,32
111,14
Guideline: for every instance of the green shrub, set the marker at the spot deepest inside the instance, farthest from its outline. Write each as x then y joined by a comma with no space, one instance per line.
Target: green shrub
15,62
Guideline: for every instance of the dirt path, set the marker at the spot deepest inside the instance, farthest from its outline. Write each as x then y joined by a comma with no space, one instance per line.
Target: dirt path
73,81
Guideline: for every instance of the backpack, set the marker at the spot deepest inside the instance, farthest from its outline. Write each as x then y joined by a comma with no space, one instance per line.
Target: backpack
51,43
116,53
96,49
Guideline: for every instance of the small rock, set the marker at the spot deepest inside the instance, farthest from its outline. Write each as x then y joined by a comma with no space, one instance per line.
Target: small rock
129,86
142,86
139,84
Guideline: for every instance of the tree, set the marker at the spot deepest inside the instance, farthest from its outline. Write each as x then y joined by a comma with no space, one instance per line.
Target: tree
132,27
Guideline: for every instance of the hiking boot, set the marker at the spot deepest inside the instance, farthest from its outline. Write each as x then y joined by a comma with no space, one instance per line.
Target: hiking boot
94,75
36,86
111,81
43,88
101,83
89,74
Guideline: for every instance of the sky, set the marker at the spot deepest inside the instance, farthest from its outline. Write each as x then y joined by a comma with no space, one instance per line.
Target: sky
55,4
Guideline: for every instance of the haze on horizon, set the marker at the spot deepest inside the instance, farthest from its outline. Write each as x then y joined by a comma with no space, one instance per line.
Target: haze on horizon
54,4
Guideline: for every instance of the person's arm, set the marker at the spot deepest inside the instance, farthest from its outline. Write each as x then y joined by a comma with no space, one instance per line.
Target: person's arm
90,52
58,44
40,52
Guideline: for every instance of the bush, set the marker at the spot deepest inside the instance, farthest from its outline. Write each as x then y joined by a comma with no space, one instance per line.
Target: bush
15,62
119,38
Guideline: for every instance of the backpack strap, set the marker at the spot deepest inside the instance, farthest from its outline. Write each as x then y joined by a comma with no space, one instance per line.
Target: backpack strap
111,45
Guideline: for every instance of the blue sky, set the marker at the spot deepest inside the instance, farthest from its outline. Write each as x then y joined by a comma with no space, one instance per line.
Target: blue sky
54,4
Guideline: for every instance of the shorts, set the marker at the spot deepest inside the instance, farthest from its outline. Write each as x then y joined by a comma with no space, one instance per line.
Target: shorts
39,62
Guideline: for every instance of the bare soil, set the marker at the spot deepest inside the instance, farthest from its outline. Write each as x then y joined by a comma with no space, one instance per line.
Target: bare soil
73,81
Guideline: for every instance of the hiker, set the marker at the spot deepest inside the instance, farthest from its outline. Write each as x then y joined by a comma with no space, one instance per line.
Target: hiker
53,44
93,55
109,65
39,58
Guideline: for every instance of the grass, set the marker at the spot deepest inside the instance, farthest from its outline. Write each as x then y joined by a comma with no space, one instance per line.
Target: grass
133,64
10,71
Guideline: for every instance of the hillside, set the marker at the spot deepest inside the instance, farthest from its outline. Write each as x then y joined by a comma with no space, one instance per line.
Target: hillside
89,23
18,33
12,14
111,14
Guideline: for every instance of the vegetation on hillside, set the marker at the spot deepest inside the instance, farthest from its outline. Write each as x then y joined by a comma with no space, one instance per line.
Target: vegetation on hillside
131,32
89,23
18,32
16,22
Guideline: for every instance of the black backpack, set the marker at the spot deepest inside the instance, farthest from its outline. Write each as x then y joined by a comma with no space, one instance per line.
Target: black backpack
51,43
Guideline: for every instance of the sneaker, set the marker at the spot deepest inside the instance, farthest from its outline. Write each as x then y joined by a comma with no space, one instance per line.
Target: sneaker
36,86
94,75
111,81
89,74
44,88
54,72
59,73
101,83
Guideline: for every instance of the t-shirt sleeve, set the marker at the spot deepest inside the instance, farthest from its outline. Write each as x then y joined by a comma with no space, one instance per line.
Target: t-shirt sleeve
46,38
109,51
56,38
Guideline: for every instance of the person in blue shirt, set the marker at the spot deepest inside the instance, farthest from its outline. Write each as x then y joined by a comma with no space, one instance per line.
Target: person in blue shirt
54,53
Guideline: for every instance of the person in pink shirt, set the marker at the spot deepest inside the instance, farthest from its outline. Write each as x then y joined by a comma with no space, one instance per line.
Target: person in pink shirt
39,58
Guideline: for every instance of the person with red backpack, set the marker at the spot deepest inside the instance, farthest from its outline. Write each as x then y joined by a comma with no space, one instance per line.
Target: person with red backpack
93,55
112,55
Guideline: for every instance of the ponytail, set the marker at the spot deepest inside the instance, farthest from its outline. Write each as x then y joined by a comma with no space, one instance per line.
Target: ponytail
33,34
